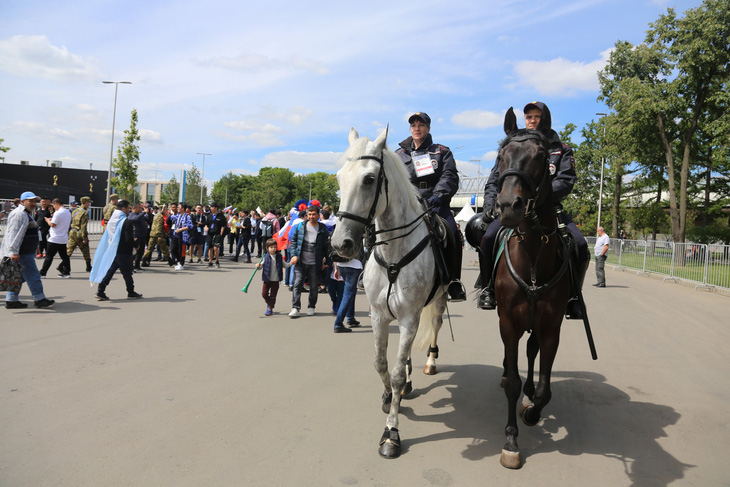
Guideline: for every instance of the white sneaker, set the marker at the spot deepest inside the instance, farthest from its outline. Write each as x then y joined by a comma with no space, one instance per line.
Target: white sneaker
178,267
294,313
310,311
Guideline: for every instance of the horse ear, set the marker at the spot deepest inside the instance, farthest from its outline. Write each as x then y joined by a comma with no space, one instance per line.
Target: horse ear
546,121
353,136
510,121
380,140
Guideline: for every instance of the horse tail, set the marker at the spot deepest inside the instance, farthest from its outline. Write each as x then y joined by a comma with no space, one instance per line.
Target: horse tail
426,330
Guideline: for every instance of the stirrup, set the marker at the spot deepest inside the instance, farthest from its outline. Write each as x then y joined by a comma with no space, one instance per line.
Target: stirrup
456,295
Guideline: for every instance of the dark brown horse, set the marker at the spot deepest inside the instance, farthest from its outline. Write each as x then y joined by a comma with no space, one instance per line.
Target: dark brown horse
532,285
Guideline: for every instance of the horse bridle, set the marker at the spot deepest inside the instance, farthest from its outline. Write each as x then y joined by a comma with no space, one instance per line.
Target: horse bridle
381,179
536,190
392,269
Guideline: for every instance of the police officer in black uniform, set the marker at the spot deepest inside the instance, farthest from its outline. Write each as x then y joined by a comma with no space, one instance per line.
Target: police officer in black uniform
562,172
433,171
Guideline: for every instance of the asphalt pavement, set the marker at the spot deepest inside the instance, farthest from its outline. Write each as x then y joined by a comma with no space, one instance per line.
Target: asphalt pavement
193,386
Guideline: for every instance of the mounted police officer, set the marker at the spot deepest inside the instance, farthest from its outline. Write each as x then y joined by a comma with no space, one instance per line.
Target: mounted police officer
432,170
562,172
79,234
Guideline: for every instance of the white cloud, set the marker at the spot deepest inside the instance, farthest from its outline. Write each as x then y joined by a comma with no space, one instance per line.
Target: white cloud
561,77
480,119
150,136
256,63
318,161
41,131
35,57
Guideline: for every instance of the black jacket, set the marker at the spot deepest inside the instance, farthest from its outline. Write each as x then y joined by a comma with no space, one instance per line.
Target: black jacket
444,182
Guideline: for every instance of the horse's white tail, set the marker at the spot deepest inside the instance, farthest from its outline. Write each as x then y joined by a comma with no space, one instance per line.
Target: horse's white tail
426,331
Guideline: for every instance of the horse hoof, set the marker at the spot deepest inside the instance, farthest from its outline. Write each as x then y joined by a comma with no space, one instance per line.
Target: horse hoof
524,411
390,444
510,459
430,370
407,389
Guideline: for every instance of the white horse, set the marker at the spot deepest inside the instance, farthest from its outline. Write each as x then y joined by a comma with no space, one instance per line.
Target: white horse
401,280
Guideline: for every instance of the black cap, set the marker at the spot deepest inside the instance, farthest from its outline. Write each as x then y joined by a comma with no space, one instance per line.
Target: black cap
422,116
535,104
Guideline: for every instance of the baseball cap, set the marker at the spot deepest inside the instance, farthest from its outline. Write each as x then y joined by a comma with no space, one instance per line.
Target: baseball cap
29,195
535,104
423,116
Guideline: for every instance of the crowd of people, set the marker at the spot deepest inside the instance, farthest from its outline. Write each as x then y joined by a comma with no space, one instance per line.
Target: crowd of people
180,234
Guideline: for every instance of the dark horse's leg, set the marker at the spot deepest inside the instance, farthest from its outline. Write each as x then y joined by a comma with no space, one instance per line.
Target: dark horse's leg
512,384
532,348
549,341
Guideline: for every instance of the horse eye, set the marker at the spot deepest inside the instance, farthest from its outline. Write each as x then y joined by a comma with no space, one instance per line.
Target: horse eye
368,180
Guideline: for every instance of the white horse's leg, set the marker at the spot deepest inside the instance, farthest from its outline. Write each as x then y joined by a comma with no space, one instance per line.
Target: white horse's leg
433,349
380,332
390,441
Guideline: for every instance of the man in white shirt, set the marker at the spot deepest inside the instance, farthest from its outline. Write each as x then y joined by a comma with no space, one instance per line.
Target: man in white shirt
58,240
601,251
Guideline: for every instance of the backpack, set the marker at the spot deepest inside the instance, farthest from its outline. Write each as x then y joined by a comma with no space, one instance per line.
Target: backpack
267,228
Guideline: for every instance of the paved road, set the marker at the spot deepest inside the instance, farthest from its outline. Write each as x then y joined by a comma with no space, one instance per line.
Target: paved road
193,386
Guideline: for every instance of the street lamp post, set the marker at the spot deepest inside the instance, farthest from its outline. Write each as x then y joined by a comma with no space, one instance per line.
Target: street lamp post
202,178
603,163
114,122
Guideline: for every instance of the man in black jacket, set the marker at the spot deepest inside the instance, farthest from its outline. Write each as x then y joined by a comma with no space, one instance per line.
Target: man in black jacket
123,257
562,176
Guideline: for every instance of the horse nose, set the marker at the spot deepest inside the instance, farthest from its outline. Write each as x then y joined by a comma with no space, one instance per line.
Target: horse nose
515,206
346,247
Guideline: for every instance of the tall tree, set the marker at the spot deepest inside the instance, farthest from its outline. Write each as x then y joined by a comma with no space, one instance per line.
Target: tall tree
125,164
193,184
665,87
170,192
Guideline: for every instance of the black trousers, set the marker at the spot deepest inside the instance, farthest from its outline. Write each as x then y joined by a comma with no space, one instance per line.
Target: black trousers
139,247
124,264
176,247
51,251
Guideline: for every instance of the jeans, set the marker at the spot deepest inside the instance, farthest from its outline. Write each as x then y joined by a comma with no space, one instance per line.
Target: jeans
600,270
31,276
243,244
335,289
311,271
347,304
269,292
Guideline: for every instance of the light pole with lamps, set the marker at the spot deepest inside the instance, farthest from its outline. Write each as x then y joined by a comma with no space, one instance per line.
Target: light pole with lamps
202,178
114,122
603,163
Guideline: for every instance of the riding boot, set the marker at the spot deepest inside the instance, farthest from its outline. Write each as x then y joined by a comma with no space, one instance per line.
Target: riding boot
486,296
456,288
573,311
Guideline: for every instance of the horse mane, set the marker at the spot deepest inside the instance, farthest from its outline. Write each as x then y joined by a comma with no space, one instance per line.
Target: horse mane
395,171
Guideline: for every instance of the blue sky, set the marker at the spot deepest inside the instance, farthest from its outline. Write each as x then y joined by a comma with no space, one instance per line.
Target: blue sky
278,83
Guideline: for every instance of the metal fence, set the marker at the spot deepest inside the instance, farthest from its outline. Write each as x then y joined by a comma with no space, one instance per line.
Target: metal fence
708,266
94,226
